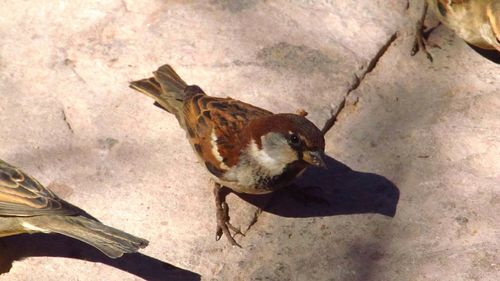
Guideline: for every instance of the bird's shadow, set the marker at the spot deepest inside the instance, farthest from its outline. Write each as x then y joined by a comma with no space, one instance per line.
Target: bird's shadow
491,55
15,248
340,191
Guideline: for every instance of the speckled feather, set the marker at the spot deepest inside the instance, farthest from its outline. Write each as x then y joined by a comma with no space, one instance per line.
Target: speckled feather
21,195
201,116
475,21
223,117
26,206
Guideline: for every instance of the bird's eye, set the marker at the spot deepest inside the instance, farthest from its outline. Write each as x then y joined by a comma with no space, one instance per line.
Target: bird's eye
294,139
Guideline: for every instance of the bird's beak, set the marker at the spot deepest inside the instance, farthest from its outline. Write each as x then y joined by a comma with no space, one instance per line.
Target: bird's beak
314,158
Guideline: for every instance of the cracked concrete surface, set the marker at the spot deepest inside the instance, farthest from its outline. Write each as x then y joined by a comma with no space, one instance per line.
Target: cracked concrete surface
412,186
357,82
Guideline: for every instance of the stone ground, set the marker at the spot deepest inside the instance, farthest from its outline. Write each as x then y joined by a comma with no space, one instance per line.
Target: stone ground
414,167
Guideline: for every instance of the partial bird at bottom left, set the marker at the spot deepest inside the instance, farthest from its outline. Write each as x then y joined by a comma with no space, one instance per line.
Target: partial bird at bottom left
26,206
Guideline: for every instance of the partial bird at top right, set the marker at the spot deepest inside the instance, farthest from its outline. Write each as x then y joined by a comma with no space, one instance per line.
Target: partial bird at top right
475,21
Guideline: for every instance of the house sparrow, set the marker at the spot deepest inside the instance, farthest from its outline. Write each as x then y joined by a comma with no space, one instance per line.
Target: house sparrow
245,148
475,21
26,206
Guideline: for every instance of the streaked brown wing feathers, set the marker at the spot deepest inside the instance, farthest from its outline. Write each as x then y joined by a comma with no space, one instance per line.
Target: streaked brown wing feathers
21,195
226,118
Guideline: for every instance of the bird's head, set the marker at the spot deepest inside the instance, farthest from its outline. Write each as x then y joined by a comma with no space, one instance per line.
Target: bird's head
282,139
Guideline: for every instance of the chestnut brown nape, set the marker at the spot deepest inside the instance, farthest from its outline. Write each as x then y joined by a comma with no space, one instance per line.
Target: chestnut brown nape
285,123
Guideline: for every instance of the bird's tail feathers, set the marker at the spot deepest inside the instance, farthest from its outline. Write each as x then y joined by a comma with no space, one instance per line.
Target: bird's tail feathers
111,241
166,88
170,81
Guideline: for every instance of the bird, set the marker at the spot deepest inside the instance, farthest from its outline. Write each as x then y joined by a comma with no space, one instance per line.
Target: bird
243,147
475,21
26,206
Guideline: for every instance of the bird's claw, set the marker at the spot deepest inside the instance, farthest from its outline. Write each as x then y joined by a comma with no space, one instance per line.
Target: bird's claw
223,228
223,224
419,43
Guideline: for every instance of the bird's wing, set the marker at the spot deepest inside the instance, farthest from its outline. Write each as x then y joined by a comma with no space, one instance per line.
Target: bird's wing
214,127
22,195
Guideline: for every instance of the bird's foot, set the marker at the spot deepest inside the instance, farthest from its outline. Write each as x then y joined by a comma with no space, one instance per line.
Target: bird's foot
224,227
236,230
420,43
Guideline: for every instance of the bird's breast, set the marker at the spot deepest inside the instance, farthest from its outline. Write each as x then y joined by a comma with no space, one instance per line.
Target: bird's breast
247,178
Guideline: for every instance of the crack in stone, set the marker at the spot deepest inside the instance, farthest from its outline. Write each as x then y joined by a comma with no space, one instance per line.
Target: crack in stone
65,118
335,113
357,82
71,64
379,54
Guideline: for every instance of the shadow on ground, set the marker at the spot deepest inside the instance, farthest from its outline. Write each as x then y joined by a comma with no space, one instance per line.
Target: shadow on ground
492,55
338,190
16,248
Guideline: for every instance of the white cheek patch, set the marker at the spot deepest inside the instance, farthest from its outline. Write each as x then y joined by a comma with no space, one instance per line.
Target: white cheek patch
275,167
30,227
215,151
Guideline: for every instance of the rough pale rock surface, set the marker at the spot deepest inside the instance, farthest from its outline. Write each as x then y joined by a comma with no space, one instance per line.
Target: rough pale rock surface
414,158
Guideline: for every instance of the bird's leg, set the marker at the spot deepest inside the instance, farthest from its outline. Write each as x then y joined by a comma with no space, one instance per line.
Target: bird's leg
420,42
222,212
237,230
